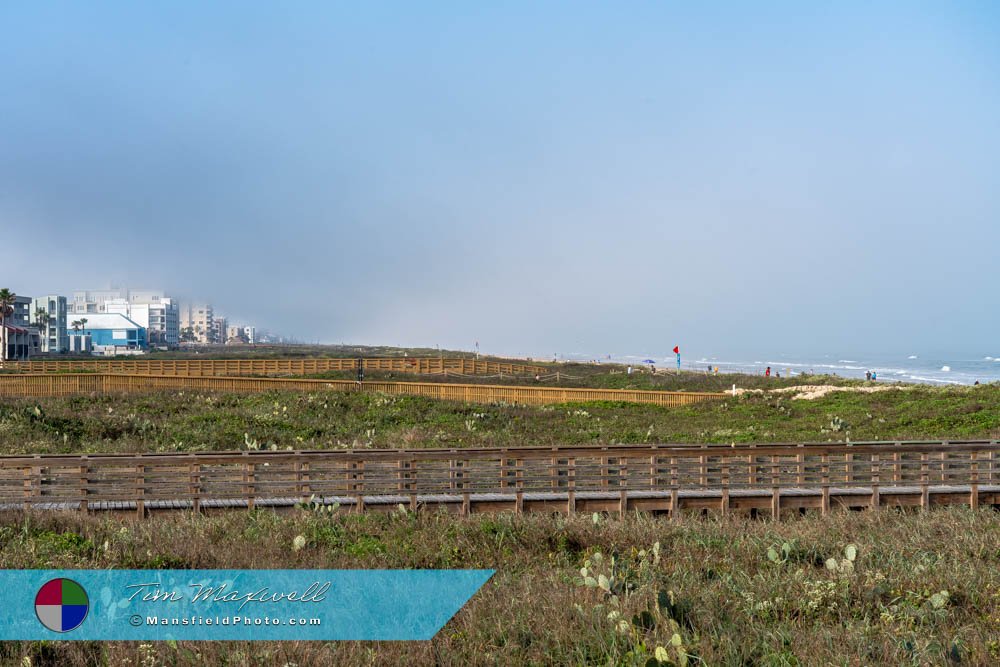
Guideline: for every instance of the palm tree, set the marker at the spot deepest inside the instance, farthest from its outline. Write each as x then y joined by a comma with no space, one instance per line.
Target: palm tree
83,325
76,325
42,318
7,300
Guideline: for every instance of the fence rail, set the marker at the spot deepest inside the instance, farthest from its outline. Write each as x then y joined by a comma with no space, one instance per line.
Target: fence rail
29,386
655,477
302,366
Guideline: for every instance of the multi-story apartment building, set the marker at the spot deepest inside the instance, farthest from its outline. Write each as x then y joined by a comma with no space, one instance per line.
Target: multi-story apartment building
156,312
53,331
22,312
196,323
220,327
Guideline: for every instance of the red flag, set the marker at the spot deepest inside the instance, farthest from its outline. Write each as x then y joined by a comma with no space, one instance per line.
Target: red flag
677,349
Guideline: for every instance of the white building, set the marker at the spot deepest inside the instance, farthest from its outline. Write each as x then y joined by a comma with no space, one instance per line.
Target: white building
154,311
80,343
53,333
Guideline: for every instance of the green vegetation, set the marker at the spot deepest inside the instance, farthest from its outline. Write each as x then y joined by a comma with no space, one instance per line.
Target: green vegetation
186,421
850,588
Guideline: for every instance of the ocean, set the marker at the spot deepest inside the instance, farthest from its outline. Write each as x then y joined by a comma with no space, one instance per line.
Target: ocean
907,368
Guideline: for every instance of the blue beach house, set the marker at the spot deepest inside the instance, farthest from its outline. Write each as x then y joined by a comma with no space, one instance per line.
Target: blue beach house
113,330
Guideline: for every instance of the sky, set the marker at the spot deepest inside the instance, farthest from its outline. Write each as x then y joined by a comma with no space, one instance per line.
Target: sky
736,178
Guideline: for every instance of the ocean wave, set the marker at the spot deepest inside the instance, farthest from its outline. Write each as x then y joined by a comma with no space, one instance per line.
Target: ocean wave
946,369
847,361
912,356
920,378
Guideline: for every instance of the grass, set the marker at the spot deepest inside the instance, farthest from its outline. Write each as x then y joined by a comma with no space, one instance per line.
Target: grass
924,589
185,421
612,376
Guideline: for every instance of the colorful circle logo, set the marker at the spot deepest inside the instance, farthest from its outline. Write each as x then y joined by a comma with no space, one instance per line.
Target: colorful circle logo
61,605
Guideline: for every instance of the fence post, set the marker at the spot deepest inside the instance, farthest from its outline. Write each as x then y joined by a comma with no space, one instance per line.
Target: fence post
27,487
194,486
775,490
724,503
249,490
974,489
622,487
876,500
519,486
571,485
925,495
824,503
84,484
140,490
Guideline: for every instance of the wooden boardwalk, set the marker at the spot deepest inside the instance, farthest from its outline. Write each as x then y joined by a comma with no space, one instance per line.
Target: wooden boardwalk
42,385
276,366
772,479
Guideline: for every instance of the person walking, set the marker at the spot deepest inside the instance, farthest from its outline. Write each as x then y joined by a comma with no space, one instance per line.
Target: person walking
767,372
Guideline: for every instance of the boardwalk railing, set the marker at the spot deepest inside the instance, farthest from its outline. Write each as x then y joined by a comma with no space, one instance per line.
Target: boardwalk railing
302,366
613,478
28,386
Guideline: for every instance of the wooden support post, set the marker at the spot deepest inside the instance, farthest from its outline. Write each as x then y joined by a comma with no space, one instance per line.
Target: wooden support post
519,486
974,489
824,506
249,486
605,472
359,486
84,485
675,507
876,501
799,472
194,486
302,478
27,487
724,503
775,490
571,484
140,490
925,496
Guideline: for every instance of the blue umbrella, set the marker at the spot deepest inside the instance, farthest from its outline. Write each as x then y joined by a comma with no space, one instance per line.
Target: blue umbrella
648,361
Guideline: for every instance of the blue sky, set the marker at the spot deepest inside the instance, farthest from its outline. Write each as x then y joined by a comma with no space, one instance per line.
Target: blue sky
741,179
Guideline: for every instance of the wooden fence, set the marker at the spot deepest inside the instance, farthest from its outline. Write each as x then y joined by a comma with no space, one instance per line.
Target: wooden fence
302,366
581,478
29,386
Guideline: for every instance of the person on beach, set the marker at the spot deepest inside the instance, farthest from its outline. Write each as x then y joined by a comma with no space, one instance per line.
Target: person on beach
868,376
767,372
874,376
629,370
